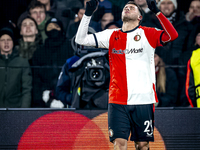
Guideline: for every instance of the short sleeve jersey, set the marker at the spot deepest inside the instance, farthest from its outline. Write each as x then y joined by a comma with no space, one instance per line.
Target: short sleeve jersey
131,59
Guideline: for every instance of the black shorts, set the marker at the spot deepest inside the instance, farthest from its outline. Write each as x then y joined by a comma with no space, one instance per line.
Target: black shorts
137,119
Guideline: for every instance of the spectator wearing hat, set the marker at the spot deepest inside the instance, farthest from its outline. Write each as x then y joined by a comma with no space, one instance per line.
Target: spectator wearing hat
53,53
31,38
15,74
173,50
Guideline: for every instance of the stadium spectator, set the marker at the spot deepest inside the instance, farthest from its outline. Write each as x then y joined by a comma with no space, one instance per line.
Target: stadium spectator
31,38
166,84
50,56
53,9
193,15
149,19
63,87
143,5
73,27
100,26
172,51
15,74
37,11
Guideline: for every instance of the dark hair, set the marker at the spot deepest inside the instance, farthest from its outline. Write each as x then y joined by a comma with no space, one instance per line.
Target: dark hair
139,8
34,4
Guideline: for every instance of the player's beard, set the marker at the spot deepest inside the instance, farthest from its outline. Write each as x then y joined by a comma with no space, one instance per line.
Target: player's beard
128,18
125,19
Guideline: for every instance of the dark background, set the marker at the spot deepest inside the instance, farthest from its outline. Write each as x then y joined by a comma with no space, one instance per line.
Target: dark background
11,9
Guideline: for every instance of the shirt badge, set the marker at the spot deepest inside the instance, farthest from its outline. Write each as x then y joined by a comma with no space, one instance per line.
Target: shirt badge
137,37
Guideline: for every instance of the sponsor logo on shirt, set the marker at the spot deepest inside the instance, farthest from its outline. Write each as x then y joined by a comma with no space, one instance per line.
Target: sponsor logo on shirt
127,51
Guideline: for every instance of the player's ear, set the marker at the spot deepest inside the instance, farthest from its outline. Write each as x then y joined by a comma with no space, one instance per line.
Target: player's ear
140,17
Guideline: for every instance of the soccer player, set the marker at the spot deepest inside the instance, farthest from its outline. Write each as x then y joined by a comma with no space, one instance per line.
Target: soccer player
132,71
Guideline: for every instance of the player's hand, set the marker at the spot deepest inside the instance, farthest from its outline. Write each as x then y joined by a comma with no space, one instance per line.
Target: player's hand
91,7
152,6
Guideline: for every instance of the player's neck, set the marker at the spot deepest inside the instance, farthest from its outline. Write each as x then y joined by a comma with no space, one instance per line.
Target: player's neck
127,26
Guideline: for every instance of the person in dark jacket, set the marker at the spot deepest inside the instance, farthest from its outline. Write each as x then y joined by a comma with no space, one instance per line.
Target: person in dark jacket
30,38
166,84
15,74
172,51
73,27
63,87
37,11
48,60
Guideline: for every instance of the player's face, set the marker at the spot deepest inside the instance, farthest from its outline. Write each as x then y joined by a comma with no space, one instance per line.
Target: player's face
198,39
130,12
167,7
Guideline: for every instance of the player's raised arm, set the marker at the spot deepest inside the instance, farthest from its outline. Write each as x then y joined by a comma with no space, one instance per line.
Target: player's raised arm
82,36
170,32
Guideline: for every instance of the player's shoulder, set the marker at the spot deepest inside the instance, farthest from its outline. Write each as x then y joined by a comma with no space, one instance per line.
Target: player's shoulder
112,30
149,28
108,31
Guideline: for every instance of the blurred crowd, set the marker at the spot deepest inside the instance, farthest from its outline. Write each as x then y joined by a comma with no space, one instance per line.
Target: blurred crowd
40,62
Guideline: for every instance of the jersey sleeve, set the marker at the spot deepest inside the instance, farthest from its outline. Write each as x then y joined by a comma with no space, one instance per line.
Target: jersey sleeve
82,36
98,40
158,37
102,38
170,32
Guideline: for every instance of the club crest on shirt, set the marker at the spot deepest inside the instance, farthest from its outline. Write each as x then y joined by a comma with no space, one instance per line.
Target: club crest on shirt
111,133
137,37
